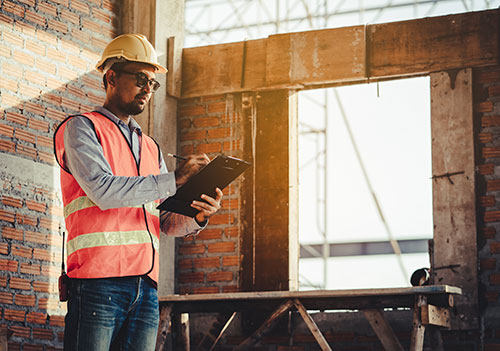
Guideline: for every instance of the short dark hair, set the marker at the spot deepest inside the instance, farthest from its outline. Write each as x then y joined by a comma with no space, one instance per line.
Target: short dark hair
115,67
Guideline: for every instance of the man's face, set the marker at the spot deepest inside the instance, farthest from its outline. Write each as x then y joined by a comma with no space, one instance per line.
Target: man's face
130,98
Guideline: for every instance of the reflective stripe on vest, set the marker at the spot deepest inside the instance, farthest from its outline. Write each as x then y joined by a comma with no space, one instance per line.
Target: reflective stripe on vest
86,241
84,202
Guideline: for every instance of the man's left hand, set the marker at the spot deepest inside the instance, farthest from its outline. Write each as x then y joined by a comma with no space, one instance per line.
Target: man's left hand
207,207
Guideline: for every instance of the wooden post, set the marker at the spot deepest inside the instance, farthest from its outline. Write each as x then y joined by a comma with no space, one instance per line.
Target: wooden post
383,330
320,339
418,331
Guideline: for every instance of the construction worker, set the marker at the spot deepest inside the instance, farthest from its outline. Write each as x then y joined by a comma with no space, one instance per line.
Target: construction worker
112,179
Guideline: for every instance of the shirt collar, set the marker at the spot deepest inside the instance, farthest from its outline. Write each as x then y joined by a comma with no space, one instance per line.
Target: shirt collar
133,125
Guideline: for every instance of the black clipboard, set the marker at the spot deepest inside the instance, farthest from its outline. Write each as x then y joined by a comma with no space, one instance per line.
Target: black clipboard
219,173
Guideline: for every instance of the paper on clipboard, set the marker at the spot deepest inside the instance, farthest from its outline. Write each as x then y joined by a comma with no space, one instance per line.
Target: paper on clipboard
219,173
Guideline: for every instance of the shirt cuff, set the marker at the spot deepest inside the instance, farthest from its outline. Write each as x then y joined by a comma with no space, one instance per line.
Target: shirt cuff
166,184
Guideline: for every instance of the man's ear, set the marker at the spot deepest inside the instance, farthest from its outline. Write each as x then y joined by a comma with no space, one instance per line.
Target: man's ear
110,77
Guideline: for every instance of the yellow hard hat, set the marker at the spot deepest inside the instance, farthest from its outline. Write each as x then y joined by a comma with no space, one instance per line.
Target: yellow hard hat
131,47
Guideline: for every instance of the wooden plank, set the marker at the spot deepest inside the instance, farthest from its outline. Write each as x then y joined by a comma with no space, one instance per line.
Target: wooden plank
418,329
316,57
454,202
265,327
383,330
164,327
320,339
435,315
433,43
215,69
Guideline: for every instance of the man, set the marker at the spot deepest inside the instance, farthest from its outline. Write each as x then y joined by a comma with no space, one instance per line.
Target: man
112,179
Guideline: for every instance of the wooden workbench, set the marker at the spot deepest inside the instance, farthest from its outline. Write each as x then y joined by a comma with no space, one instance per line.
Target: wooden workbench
430,306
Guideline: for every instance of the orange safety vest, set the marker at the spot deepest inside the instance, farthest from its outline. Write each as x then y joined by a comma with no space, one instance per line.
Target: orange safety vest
117,242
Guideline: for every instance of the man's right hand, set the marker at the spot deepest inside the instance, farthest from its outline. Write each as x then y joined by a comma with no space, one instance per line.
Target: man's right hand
190,167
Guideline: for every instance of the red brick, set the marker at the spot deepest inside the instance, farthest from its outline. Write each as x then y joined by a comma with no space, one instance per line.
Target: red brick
34,108
4,51
4,249
187,150
486,106
36,206
45,334
56,210
8,146
489,152
101,15
195,277
230,204
487,201
48,9
8,84
20,283
488,232
22,251
234,145
24,135
22,332
26,151
49,223
41,286
227,246
185,264
224,218
184,124
12,233
44,141
13,39
219,276
47,157
191,249
219,133
495,278
29,268
35,18
217,107
492,216
70,17
16,118
206,262
491,296
28,220
25,300
36,48
210,234
36,317
55,114
5,298
206,290
209,148
57,321
45,66
230,261
489,263
203,122
213,98
6,130
48,303
185,111
493,185
229,289
8,265
12,201
7,216
80,6
231,232
14,315
56,55
24,58
93,26
485,137
51,271
194,135
42,254
3,281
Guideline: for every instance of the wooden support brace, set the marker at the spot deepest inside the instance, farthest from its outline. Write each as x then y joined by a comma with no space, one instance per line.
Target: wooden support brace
418,331
320,339
435,315
265,327
383,330
164,328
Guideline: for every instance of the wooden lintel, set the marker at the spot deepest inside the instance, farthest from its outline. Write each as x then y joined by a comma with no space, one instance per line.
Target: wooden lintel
435,315
343,55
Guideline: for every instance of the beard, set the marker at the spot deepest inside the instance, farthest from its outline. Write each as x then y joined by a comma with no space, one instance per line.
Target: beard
134,107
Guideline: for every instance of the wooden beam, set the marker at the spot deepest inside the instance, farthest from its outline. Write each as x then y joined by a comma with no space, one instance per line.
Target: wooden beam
265,327
432,44
418,329
164,327
454,199
343,55
383,330
320,339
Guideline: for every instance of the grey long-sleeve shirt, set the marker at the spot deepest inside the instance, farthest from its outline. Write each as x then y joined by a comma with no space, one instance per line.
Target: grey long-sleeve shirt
85,159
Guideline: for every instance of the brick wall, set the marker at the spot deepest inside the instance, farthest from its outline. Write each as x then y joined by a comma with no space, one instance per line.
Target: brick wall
210,262
47,55
487,118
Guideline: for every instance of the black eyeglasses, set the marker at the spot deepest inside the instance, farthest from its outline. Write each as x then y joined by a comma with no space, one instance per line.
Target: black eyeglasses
142,80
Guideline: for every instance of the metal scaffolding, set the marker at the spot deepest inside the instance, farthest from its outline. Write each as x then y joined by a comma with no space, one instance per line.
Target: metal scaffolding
211,22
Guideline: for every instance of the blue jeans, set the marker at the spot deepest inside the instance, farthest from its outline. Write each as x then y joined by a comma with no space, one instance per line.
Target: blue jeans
111,314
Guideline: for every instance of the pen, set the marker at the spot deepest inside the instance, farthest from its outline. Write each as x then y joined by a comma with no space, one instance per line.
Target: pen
177,156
